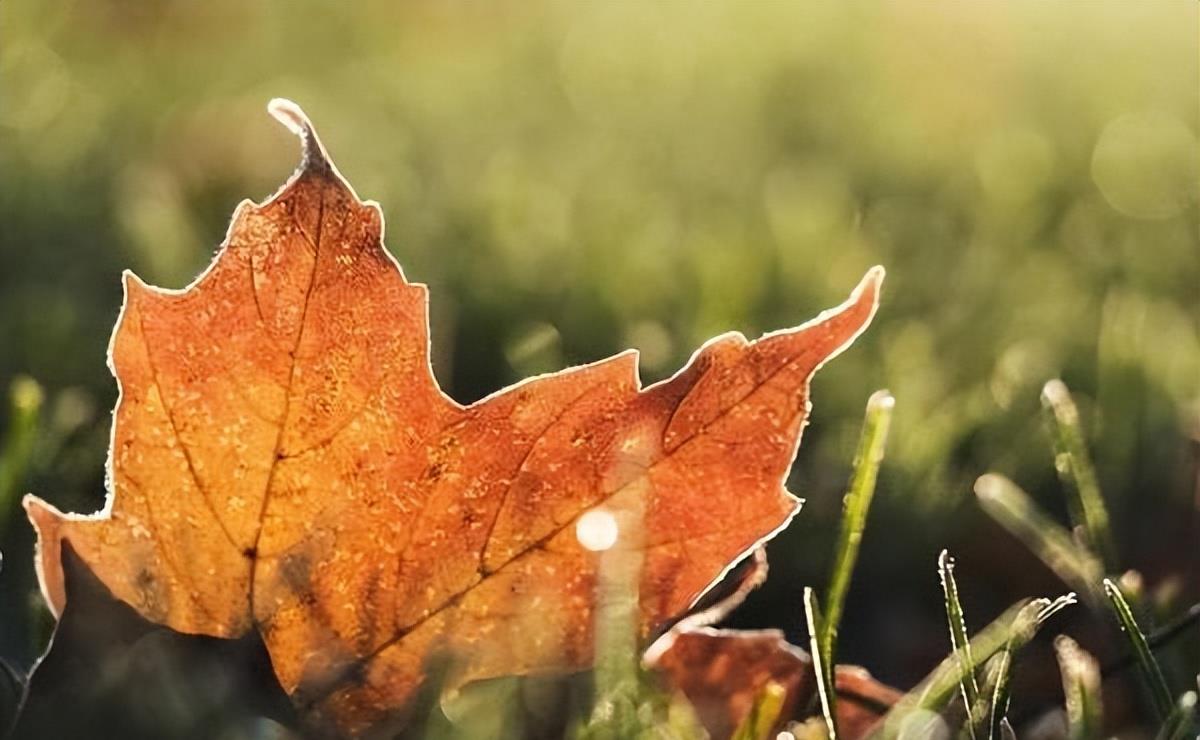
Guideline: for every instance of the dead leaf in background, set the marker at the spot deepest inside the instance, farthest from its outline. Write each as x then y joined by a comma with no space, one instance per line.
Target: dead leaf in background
722,673
283,460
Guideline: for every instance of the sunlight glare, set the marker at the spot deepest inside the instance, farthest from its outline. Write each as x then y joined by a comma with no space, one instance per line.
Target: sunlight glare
597,530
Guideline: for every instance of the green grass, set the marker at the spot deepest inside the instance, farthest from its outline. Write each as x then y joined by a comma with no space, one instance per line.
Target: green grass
1181,722
1151,673
1080,560
626,701
823,665
856,504
823,628
25,399
1074,465
1081,689
575,179
960,643
1012,508
1000,694
763,715
1007,634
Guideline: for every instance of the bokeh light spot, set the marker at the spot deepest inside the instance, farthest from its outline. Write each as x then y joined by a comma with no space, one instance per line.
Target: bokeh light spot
1146,165
597,530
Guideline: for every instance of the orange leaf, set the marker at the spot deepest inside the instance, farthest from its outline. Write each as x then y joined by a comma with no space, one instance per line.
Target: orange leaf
283,460
722,672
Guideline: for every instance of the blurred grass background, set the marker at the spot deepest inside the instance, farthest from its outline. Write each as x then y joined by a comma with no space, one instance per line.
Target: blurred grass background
574,179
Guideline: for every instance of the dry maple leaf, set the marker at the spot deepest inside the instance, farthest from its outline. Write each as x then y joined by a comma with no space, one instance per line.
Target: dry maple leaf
282,459
722,672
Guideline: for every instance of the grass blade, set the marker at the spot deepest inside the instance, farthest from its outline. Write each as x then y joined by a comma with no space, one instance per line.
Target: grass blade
980,716
857,502
1006,731
1077,473
1012,508
615,675
1161,636
1009,632
763,714
1181,723
1001,693
1081,689
959,641
25,405
822,662
1026,624
1151,673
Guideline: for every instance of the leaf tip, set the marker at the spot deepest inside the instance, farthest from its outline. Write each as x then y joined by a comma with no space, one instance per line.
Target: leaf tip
875,275
132,284
988,486
944,560
46,520
1054,391
295,120
42,515
866,293
843,324
881,400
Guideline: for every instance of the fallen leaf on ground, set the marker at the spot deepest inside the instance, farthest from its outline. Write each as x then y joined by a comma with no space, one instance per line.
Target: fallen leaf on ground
722,672
283,460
